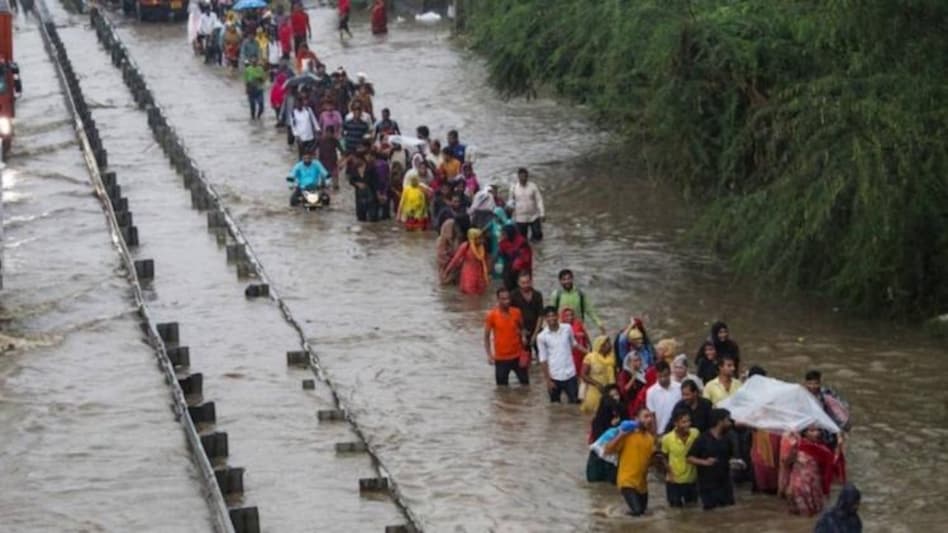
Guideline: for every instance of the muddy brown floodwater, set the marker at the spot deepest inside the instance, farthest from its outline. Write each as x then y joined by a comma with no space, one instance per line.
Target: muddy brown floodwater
408,354
88,441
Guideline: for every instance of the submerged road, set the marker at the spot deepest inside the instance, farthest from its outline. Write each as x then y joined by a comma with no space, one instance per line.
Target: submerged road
87,434
408,355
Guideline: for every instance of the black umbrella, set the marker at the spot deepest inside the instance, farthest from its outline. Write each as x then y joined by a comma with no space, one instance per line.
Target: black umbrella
303,79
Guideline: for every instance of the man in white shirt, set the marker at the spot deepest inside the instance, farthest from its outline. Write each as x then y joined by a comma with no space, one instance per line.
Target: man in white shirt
305,127
662,396
555,347
528,206
206,24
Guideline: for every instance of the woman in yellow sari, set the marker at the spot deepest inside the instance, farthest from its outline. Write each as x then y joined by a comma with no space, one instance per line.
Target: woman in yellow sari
599,370
413,206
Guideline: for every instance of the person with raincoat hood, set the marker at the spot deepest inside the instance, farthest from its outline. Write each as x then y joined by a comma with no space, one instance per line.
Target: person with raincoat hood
844,516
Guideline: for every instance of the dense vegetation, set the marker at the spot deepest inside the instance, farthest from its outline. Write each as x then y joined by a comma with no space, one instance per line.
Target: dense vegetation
812,133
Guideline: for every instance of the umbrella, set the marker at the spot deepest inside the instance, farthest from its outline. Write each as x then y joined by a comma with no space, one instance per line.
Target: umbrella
778,406
406,141
242,5
302,79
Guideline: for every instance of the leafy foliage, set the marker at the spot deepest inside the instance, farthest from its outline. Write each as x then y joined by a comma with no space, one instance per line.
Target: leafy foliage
814,131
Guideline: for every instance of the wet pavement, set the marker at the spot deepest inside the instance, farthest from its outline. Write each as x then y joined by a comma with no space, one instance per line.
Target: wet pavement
408,354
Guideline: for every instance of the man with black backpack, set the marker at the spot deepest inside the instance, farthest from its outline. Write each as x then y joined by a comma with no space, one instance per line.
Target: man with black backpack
569,296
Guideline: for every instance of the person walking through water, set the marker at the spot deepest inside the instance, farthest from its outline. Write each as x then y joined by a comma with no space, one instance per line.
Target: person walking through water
844,516
636,450
528,206
599,370
555,347
504,324
471,260
530,303
345,7
364,181
574,298
807,469
516,254
681,478
379,18
254,78
712,454
299,22
304,126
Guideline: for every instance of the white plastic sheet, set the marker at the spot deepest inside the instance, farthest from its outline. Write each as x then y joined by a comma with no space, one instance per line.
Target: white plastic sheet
774,405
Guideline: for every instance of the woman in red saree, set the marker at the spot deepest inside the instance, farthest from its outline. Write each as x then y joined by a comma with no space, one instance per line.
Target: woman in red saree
579,333
379,18
471,260
807,468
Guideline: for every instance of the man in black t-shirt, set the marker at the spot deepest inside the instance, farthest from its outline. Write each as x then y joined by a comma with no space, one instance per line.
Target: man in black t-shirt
712,454
530,303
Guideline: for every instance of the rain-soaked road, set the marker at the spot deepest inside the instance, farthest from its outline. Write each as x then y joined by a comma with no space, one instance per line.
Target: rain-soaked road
408,354
86,433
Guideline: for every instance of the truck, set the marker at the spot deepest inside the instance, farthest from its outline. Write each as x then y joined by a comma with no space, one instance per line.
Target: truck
156,9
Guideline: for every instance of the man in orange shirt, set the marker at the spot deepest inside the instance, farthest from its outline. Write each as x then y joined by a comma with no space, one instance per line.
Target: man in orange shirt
506,325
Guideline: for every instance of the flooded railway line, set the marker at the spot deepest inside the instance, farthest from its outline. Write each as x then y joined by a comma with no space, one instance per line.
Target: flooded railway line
308,464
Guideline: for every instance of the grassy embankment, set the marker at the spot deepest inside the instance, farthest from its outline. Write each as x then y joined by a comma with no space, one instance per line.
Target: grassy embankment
812,133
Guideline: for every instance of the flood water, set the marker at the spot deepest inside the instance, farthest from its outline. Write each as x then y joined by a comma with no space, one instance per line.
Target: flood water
87,433
408,354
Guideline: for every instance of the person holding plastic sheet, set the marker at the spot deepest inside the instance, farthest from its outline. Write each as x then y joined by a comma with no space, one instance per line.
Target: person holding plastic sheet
636,451
712,454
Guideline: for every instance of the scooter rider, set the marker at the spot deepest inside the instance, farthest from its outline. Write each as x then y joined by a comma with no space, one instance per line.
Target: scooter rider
307,175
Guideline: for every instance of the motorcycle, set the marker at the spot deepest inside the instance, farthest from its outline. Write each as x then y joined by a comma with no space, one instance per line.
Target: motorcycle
309,199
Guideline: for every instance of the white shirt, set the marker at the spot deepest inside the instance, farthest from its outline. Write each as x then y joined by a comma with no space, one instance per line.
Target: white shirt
661,401
207,23
528,203
556,349
274,54
304,124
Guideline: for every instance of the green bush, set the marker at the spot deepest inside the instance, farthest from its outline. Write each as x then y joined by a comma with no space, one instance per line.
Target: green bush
814,131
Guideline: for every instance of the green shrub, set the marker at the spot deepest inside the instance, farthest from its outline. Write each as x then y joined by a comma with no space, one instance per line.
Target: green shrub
813,130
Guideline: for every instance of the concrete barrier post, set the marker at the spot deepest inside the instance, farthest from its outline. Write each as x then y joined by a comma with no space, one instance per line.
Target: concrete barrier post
180,356
215,445
169,332
145,269
245,520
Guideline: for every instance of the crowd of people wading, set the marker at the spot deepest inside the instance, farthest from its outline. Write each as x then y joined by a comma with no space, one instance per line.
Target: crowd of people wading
647,405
